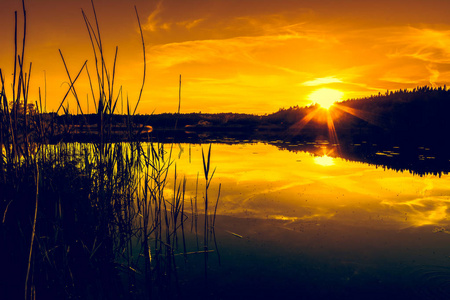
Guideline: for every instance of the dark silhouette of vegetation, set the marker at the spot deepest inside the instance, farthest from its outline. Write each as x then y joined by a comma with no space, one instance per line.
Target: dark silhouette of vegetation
90,220
415,116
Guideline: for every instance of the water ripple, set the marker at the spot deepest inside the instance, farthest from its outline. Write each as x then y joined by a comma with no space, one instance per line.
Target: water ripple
431,282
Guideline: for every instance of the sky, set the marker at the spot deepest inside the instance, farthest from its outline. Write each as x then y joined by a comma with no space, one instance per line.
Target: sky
241,56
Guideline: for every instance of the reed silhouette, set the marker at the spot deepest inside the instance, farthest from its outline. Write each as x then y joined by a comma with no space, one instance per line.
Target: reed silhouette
87,220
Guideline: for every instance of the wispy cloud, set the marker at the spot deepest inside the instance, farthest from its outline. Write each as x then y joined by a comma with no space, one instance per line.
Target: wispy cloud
238,48
321,81
153,22
190,23
434,74
426,44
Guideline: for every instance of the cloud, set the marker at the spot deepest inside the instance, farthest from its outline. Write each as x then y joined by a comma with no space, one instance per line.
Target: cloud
425,44
434,74
321,81
238,48
153,22
191,23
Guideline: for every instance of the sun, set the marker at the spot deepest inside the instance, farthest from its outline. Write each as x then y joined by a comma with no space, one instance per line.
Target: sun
325,97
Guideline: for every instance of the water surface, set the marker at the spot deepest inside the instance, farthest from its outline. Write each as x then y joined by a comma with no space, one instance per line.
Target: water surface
261,181
292,223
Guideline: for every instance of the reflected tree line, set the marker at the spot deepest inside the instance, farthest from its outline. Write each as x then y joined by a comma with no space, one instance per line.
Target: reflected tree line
418,161
411,120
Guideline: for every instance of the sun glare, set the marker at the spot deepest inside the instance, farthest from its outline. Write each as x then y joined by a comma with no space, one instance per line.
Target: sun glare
326,97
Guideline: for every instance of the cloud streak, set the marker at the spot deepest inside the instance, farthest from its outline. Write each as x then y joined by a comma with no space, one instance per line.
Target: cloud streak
238,48
322,81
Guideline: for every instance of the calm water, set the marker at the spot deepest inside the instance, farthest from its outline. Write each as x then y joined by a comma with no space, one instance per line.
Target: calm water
295,224
261,181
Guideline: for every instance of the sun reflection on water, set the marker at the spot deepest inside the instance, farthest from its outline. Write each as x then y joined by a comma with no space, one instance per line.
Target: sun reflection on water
260,181
324,161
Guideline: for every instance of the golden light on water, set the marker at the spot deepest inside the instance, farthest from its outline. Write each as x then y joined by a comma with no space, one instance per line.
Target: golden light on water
324,161
326,97
288,185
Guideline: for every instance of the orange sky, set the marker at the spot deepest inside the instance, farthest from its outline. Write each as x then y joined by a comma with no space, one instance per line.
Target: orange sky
251,56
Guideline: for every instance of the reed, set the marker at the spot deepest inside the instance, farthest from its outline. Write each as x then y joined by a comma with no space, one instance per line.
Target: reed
89,221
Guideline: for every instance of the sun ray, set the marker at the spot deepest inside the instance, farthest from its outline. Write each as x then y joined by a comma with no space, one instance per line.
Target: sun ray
363,115
298,126
332,134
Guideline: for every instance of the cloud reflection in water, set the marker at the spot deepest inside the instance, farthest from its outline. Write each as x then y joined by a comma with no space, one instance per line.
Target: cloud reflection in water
260,181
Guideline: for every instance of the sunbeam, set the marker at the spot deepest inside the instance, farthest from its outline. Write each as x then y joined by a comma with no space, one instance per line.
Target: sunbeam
298,126
363,115
332,134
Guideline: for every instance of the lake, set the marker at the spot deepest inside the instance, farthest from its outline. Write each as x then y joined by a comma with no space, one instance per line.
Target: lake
312,225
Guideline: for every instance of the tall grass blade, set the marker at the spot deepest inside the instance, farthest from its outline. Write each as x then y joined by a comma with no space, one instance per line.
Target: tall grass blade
145,62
